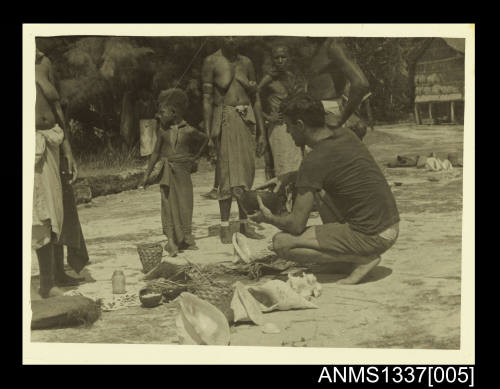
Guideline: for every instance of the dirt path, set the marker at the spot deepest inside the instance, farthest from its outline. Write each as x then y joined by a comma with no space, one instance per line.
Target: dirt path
412,300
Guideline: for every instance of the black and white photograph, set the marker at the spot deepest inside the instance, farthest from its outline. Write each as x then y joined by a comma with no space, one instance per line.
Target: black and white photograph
295,189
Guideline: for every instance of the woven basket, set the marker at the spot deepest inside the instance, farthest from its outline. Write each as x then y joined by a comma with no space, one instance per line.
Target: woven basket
169,290
220,295
150,255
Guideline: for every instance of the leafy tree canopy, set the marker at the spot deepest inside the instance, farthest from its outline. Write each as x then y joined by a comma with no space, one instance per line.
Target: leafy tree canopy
95,72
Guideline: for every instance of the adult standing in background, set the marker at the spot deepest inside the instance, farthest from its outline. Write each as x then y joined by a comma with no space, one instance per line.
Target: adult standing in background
65,229
332,68
280,81
230,117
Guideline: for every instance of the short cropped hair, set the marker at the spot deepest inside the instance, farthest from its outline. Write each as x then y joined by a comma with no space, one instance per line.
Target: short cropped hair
174,97
302,106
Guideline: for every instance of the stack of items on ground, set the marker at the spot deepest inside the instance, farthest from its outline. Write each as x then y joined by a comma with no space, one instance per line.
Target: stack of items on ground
207,306
431,162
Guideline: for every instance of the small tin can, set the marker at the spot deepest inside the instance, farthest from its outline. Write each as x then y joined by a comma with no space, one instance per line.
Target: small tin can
118,282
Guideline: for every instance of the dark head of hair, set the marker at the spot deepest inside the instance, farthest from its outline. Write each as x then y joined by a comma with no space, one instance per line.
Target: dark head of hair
174,97
280,45
302,106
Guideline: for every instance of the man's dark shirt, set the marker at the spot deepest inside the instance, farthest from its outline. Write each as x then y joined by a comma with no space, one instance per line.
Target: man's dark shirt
345,169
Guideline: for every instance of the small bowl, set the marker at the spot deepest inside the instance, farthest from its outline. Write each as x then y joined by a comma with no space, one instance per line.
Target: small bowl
150,298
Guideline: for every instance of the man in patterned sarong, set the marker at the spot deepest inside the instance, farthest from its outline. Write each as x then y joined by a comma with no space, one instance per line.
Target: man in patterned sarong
230,120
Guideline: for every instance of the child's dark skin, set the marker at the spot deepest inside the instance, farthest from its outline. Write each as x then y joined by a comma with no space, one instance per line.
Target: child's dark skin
167,115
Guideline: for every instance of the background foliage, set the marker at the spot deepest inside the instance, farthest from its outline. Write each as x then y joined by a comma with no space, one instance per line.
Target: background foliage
100,77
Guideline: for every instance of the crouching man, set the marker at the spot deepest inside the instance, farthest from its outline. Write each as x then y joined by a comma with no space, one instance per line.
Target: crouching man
358,210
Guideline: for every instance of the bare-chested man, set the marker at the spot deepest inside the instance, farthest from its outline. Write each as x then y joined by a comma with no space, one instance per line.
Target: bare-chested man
331,69
280,81
229,87
55,218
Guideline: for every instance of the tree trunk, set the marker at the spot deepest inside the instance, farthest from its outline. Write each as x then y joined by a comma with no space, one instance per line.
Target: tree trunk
128,130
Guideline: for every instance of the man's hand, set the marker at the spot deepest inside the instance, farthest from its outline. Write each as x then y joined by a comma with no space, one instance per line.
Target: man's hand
261,146
72,168
211,144
275,117
263,215
194,165
272,182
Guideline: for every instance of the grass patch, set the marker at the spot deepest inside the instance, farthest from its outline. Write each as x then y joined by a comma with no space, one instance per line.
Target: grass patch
107,162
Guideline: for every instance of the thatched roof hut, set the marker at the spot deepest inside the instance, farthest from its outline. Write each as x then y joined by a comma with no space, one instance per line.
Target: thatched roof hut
440,78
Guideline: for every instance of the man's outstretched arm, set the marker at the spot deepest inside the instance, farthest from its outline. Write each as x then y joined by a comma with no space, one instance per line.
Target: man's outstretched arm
295,222
337,53
208,90
259,119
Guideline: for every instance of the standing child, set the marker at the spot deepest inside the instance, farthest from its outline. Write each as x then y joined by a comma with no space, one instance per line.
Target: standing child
179,146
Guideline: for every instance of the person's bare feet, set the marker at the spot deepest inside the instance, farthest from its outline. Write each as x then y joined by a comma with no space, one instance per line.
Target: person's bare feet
359,272
53,292
172,249
212,195
64,279
250,232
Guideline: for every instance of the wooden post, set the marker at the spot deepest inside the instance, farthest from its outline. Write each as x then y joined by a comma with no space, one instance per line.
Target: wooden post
430,113
452,112
418,120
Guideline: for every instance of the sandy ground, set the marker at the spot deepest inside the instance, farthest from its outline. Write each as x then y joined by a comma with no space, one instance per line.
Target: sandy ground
411,300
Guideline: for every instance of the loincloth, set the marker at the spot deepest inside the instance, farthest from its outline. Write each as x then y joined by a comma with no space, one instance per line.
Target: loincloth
287,156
